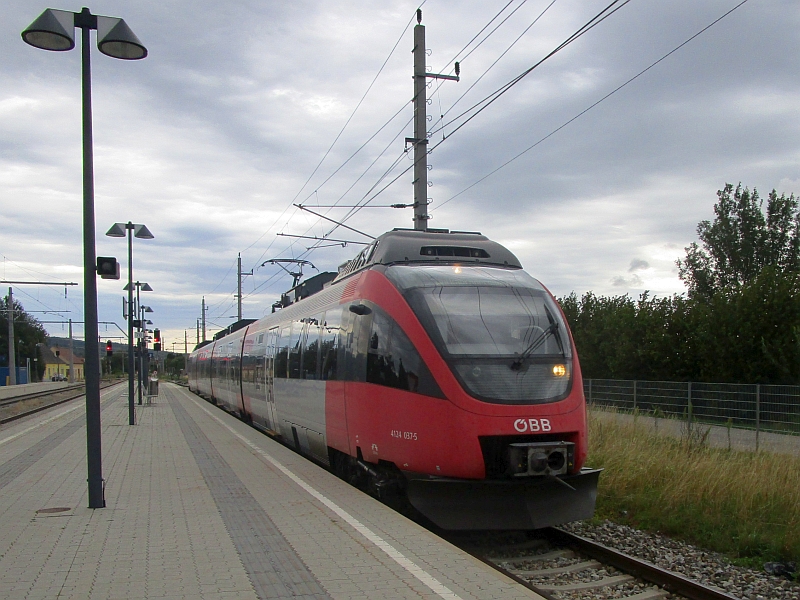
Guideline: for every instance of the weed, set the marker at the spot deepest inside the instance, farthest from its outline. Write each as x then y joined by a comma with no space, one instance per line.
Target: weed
740,503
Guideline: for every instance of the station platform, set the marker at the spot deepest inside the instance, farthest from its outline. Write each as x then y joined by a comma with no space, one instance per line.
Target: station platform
201,506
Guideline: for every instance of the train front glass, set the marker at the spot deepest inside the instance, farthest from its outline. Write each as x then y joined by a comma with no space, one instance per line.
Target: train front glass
499,330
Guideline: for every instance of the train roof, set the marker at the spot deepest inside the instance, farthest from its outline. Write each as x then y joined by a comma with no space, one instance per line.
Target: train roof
435,246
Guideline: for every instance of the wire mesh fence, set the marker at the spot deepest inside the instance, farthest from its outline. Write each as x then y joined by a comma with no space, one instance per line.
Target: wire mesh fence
768,408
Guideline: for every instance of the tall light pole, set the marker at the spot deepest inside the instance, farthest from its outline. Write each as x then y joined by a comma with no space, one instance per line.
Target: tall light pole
144,358
142,232
138,323
55,30
12,362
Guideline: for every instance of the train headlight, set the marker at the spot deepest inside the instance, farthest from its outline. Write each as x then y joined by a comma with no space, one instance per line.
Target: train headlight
559,370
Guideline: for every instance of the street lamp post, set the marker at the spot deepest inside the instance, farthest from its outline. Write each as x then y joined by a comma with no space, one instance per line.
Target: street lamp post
55,30
144,287
144,361
139,231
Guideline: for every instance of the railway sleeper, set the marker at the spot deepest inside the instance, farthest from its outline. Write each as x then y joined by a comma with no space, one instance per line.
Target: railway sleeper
585,585
573,568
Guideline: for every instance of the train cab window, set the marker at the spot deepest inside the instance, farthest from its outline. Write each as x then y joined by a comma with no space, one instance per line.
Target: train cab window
282,352
329,334
311,348
295,349
393,361
499,330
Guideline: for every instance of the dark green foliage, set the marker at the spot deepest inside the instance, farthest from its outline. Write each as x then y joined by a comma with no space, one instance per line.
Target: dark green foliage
740,322
27,332
619,338
174,363
748,336
741,242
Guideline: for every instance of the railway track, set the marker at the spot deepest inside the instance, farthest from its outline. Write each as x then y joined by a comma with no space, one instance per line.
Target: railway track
23,405
562,566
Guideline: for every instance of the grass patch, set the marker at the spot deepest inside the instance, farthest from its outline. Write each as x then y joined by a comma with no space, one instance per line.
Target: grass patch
743,504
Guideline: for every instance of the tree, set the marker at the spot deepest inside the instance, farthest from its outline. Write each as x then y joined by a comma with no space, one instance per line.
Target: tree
741,242
28,332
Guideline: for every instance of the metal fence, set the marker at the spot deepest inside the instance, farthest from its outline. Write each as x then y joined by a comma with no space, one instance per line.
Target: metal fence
771,408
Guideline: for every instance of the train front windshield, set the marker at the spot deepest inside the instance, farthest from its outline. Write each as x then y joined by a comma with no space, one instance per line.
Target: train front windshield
498,329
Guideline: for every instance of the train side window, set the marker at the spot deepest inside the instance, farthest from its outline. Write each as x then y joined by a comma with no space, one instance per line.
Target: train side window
393,360
329,335
354,341
282,352
379,367
311,348
295,349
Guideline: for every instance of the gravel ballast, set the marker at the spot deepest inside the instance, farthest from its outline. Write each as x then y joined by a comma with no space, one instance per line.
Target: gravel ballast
701,565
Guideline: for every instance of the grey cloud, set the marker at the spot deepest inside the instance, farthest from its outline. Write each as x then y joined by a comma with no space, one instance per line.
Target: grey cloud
210,138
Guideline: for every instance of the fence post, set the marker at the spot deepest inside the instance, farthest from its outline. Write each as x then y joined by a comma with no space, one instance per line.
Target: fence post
758,412
590,391
634,395
689,403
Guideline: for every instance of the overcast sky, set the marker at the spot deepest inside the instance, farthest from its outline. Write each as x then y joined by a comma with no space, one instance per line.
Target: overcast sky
210,138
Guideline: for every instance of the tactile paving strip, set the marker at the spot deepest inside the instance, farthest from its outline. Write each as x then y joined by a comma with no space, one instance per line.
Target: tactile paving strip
274,568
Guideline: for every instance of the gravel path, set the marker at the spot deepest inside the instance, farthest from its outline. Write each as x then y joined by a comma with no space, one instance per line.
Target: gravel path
700,565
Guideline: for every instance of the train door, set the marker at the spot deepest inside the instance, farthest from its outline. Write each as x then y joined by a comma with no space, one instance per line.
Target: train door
269,378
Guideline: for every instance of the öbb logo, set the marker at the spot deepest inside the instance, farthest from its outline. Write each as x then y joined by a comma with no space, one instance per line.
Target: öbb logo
532,425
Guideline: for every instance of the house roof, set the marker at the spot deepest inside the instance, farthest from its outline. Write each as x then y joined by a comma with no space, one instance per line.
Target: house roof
49,356
64,355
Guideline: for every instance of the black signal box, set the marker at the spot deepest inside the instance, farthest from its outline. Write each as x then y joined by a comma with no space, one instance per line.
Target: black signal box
107,267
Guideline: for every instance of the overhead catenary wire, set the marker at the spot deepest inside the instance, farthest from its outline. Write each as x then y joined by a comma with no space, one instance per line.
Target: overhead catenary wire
597,19
594,104
480,106
487,101
380,70
350,118
357,208
498,59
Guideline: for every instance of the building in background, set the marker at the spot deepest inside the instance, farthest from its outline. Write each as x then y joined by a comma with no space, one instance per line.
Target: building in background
56,364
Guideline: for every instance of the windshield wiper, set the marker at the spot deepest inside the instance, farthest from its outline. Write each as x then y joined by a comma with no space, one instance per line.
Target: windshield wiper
534,345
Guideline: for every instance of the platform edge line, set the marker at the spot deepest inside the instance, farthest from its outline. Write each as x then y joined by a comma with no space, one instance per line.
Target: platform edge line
410,566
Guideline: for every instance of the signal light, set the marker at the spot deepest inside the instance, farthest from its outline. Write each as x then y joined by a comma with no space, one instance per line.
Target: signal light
157,346
156,335
107,267
109,349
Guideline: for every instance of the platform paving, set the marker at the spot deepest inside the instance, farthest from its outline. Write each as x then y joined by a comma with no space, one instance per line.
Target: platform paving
199,505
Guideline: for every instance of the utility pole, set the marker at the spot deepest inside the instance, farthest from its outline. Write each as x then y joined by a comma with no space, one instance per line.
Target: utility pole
420,139
185,352
204,318
71,359
239,295
12,359
198,332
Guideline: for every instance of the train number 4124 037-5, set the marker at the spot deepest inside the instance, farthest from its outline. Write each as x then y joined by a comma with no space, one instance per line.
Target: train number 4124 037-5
404,435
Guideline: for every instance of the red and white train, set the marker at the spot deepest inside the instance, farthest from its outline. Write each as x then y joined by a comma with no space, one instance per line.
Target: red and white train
430,367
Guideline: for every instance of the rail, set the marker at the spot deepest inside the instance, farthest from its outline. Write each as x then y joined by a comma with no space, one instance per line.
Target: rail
21,406
584,567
